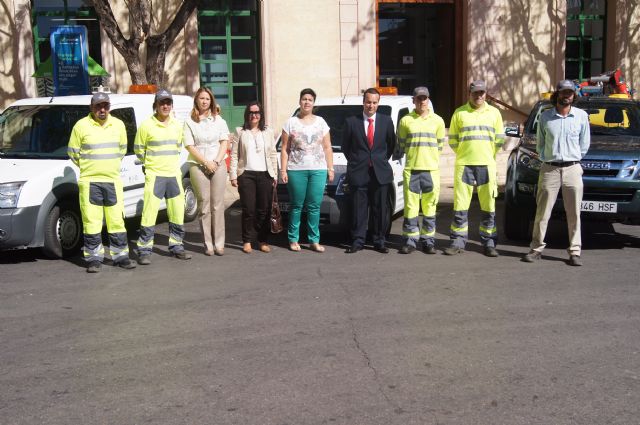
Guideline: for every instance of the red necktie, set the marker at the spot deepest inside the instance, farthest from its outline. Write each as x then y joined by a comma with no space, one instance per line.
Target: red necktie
370,133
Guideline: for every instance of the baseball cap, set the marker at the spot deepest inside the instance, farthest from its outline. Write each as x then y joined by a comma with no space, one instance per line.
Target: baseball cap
163,94
99,97
565,85
478,85
421,91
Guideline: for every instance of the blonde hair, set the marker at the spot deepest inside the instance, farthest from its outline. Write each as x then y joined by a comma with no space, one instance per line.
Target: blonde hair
214,108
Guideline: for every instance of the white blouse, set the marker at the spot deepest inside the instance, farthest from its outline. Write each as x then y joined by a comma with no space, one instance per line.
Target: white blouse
206,136
256,156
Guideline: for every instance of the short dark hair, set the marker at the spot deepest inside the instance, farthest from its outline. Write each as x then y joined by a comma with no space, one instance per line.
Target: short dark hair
261,124
370,90
309,92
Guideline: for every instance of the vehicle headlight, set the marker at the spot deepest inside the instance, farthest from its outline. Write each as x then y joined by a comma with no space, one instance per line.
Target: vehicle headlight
529,160
9,194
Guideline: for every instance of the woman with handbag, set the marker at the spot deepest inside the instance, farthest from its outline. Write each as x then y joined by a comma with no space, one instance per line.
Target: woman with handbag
307,163
253,170
206,137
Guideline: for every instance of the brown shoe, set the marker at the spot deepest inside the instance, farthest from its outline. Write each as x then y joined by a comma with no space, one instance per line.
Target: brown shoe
264,247
246,248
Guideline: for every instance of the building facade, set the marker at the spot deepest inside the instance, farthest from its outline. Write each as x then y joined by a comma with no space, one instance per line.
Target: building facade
269,50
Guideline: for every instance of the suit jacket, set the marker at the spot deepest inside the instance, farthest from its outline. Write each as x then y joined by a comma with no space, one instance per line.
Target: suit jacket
356,148
238,161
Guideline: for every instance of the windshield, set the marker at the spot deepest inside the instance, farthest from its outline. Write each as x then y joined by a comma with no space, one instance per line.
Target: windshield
40,131
605,118
335,115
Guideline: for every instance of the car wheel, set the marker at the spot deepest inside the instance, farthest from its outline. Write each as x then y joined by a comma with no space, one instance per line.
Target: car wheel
516,224
190,201
63,231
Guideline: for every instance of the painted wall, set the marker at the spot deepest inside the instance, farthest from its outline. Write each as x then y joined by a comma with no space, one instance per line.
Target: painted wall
16,45
301,48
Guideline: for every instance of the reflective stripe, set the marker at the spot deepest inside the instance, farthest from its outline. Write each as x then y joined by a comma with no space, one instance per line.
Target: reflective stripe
138,147
500,136
429,135
73,151
441,140
100,156
476,137
400,140
163,153
453,137
488,231
453,145
478,128
427,144
107,145
162,142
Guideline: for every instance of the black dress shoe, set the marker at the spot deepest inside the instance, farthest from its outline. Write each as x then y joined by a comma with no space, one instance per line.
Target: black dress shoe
406,249
381,249
353,249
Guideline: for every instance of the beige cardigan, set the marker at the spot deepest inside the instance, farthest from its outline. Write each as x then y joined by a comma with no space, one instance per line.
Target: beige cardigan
239,155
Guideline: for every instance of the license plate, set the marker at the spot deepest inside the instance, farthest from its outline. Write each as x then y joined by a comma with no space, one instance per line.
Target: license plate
600,207
284,206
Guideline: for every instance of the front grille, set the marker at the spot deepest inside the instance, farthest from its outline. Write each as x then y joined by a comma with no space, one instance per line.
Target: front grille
601,173
608,194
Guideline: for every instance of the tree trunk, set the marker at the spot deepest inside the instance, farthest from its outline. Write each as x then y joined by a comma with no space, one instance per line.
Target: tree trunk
157,45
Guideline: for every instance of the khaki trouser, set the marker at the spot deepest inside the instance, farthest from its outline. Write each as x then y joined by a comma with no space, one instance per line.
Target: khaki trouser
210,192
550,181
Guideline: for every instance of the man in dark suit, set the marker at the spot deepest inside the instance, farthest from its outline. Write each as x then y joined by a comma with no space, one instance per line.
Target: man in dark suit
368,141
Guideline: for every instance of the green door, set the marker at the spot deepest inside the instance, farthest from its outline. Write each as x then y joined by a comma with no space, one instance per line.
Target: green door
229,56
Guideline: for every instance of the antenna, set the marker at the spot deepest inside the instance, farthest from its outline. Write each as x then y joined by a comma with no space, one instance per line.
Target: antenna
347,90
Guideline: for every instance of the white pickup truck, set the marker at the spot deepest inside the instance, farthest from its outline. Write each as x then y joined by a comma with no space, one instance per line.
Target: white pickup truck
38,182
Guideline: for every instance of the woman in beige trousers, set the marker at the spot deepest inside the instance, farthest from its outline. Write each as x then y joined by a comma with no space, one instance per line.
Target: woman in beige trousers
206,137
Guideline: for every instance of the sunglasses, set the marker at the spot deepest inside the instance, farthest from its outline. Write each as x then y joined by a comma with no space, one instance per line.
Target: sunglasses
255,113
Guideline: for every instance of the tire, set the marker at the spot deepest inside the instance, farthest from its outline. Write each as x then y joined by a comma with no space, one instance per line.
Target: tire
63,231
516,224
190,201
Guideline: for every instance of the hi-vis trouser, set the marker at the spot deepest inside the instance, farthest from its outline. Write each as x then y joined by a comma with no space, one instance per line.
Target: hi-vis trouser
100,199
155,189
465,177
421,189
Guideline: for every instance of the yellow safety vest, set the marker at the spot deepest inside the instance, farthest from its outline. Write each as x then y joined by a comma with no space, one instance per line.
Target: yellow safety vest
158,146
476,135
422,140
98,149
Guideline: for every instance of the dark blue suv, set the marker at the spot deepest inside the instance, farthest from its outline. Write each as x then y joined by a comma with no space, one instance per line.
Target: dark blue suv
611,167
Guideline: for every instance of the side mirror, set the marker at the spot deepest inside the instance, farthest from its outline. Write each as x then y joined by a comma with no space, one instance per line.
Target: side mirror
513,132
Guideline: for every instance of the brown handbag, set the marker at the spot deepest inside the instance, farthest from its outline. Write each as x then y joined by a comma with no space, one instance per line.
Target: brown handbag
276,216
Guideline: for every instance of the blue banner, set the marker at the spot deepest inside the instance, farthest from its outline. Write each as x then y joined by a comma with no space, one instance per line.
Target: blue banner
70,63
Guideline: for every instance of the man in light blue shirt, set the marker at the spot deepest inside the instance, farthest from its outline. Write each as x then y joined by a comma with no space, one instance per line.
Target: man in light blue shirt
563,140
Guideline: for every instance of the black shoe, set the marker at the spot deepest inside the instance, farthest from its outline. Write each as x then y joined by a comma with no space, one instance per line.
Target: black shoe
182,255
532,256
406,249
381,249
490,251
429,249
126,264
94,267
353,249
453,250
574,260
144,259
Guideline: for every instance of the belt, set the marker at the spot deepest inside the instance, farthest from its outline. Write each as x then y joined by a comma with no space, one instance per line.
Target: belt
562,164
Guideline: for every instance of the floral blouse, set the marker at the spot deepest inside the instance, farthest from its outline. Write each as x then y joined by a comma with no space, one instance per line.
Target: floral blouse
305,144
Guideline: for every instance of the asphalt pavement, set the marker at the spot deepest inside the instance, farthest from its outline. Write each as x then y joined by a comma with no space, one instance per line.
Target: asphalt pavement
308,338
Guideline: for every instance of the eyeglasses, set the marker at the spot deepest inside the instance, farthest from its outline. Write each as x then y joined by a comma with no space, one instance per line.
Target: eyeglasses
255,113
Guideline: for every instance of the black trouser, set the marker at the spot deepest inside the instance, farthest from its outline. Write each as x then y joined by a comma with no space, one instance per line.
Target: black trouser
255,189
371,198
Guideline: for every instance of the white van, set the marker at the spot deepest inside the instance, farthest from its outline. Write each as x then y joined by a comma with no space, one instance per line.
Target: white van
335,210
38,182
